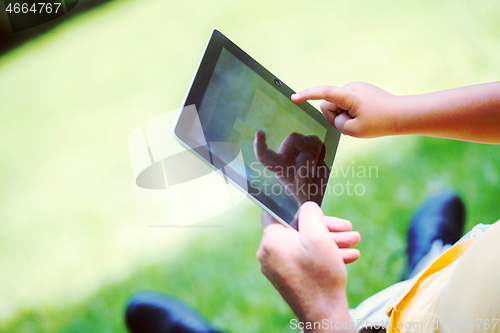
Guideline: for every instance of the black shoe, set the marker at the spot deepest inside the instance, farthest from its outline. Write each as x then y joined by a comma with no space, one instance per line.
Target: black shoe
440,216
149,312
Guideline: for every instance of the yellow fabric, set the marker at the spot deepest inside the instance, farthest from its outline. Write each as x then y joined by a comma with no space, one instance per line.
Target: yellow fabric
459,292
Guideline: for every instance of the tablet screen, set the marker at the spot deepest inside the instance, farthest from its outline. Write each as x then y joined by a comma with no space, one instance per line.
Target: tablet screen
282,146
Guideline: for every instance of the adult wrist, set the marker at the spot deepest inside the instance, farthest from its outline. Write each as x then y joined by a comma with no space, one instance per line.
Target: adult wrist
329,315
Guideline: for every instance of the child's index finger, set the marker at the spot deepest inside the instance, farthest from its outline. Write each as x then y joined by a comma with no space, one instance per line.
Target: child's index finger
340,96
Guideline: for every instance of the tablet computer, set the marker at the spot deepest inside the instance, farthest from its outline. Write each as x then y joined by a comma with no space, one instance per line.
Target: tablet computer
239,118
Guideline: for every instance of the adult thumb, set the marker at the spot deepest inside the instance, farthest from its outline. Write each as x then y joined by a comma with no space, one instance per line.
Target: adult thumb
311,222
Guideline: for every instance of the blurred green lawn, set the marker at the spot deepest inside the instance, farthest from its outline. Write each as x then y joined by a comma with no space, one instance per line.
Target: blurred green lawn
76,241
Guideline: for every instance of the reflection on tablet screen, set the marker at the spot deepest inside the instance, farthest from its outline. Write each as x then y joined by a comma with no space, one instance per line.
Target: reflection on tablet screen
282,146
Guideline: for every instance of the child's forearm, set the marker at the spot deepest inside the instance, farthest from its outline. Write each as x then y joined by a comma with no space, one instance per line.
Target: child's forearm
469,113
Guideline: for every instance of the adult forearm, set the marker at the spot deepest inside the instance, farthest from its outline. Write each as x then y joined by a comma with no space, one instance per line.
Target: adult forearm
469,113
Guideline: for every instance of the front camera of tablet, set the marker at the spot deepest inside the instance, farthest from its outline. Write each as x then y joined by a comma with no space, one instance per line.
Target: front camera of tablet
277,82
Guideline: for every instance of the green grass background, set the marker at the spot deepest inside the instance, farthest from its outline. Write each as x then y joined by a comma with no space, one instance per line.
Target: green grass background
75,240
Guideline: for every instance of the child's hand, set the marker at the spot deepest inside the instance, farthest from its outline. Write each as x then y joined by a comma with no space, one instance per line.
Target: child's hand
358,109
